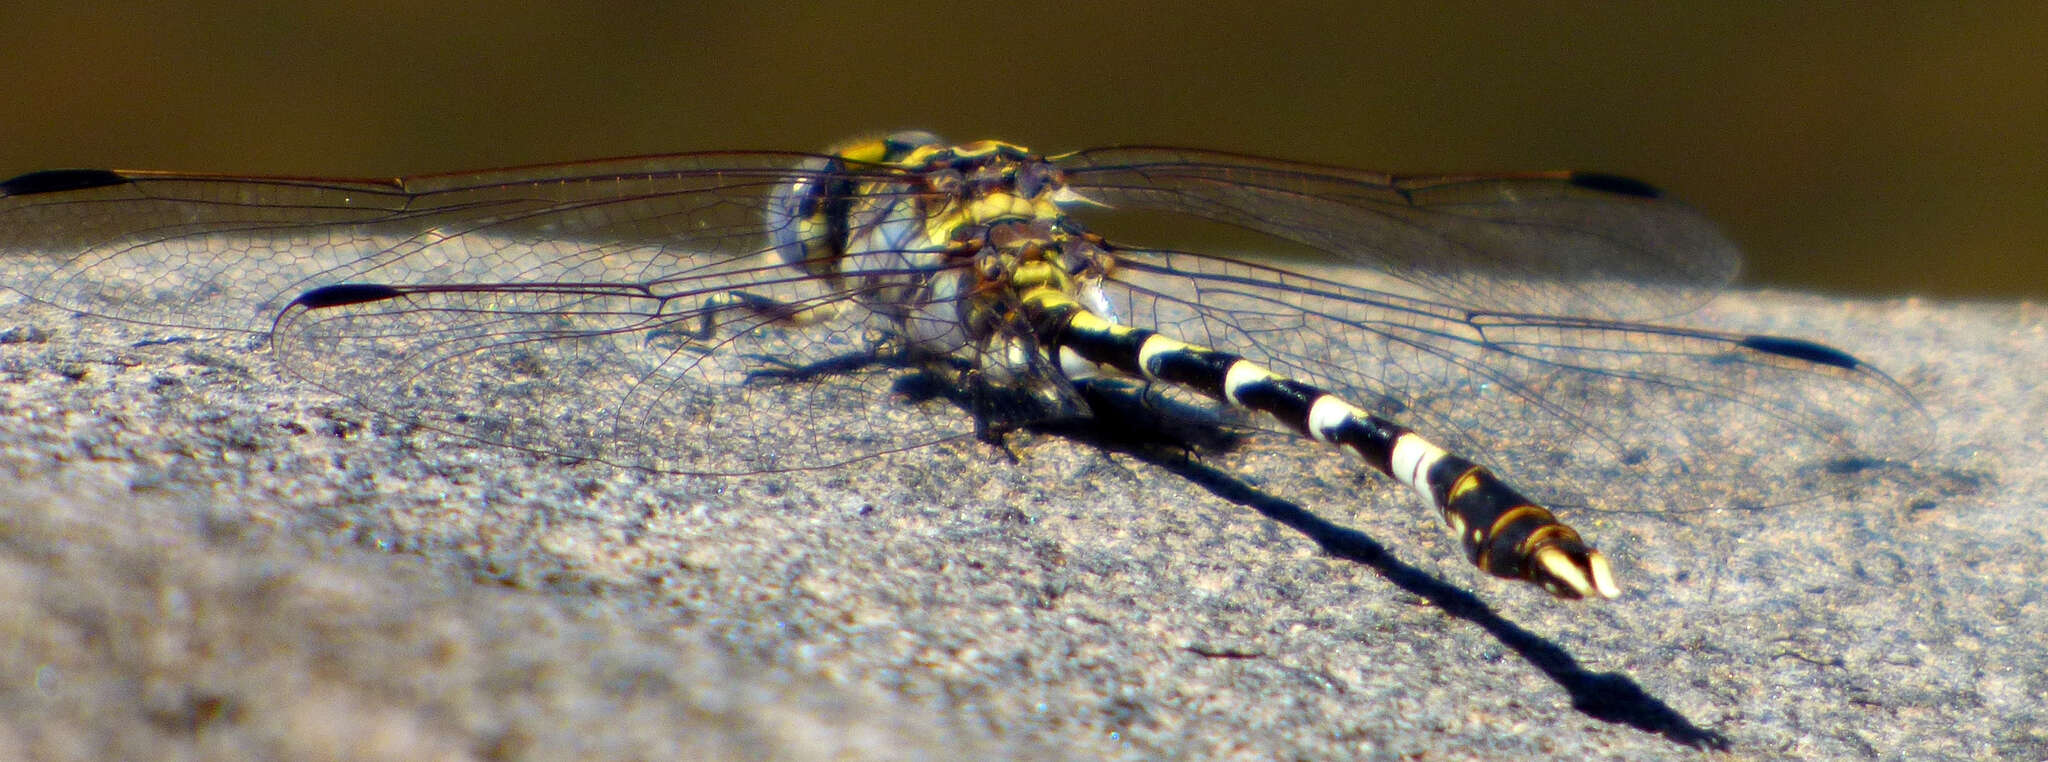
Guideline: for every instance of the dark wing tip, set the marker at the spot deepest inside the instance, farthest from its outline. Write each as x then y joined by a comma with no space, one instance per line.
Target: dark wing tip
1801,349
1606,183
342,294
56,180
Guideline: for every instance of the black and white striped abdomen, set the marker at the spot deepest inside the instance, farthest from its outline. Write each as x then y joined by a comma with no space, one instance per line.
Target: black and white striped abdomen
1503,532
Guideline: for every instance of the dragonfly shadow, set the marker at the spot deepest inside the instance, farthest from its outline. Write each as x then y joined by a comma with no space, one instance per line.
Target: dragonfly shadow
1124,418
1606,696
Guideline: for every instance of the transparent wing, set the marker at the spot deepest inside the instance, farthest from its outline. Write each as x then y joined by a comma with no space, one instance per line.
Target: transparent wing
690,382
216,252
629,311
1763,420
1560,243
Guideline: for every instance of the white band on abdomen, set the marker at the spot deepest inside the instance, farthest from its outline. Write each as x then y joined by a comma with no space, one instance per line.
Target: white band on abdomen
1413,457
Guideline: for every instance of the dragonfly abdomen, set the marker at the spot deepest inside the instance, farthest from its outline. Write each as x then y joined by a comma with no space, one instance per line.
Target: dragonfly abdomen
1503,533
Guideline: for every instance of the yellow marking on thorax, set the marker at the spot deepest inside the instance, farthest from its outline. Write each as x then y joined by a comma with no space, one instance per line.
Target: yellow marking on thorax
923,154
988,209
867,151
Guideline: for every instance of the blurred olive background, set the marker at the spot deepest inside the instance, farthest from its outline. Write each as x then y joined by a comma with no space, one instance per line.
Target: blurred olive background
1854,148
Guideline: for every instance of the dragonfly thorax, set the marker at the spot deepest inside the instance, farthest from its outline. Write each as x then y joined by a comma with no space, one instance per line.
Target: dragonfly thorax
940,239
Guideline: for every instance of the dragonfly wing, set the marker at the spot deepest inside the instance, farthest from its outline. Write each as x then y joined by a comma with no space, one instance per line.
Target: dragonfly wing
227,253
631,311
1581,411
1548,242
692,385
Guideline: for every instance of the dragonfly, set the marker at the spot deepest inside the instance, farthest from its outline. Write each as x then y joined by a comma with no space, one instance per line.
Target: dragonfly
1441,328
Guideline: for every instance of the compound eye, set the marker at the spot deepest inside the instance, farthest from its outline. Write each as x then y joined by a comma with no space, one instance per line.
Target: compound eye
794,219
